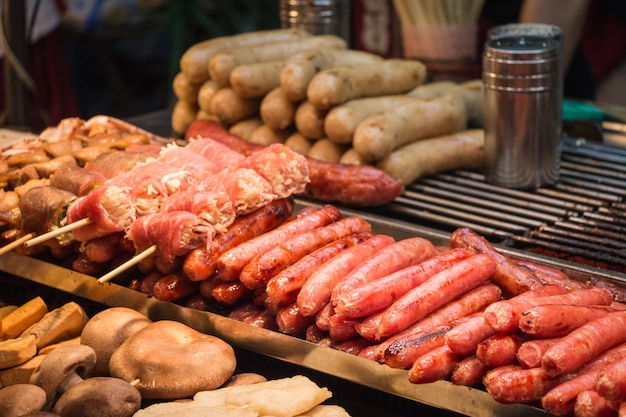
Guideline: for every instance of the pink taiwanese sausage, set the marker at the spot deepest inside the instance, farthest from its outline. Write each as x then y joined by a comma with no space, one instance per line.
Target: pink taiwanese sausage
381,293
504,316
442,288
316,291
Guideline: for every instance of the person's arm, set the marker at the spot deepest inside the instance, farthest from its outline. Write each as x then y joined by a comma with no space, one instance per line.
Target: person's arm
569,15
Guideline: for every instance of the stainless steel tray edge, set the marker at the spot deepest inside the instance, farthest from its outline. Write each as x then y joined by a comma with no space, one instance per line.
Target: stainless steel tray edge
441,394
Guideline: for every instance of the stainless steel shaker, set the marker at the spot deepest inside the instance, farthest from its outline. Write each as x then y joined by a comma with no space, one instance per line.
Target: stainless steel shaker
523,76
319,17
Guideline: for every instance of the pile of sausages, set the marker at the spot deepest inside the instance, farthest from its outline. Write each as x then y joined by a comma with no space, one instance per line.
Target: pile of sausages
331,103
526,333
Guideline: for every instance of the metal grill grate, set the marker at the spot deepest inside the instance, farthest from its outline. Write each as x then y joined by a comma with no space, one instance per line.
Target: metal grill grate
580,218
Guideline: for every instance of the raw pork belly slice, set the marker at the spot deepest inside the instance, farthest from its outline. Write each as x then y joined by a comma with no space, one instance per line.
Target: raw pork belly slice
175,233
218,153
213,206
109,207
287,171
147,192
172,178
188,160
218,199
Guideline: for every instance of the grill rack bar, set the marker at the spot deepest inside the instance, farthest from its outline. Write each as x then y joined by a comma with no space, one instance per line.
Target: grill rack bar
581,218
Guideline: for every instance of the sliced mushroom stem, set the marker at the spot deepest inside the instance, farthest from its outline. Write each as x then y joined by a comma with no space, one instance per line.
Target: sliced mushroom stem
72,379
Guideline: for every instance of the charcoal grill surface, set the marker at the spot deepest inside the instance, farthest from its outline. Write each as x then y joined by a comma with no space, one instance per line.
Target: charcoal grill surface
581,218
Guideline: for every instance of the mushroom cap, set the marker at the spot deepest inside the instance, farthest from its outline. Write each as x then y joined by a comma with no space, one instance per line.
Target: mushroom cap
106,330
99,397
41,414
19,399
61,363
245,378
172,361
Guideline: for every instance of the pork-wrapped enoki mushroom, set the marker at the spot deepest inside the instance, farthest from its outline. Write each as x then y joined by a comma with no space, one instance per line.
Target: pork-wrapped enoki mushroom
172,178
286,170
186,159
220,198
114,205
217,152
272,173
108,208
174,233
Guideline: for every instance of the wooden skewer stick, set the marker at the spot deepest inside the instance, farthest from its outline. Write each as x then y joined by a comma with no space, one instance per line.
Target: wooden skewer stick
128,264
56,232
17,242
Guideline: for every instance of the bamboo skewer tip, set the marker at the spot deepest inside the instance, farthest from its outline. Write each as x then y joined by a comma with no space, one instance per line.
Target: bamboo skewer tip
128,264
57,232
17,242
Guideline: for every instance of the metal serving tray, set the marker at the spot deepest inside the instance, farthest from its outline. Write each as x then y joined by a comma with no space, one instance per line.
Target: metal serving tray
440,394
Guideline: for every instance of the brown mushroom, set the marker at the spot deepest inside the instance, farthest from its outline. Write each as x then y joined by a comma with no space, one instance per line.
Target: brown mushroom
19,399
170,360
106,330
245,378
63,367
99,397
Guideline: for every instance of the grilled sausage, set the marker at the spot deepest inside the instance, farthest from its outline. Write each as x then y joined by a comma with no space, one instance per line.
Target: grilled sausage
504,316
469,372
316,291
554,320
390,259
341,328
442,288
433,366
282,289
464,338
585,343
173,287
611,382
403,352
500,349
381,293
290,321
590,403
472,302
530,352
560,400
511,278
513,384
232,262
267,264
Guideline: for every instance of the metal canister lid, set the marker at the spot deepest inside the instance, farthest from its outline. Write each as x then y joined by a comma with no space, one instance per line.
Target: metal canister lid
528,62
